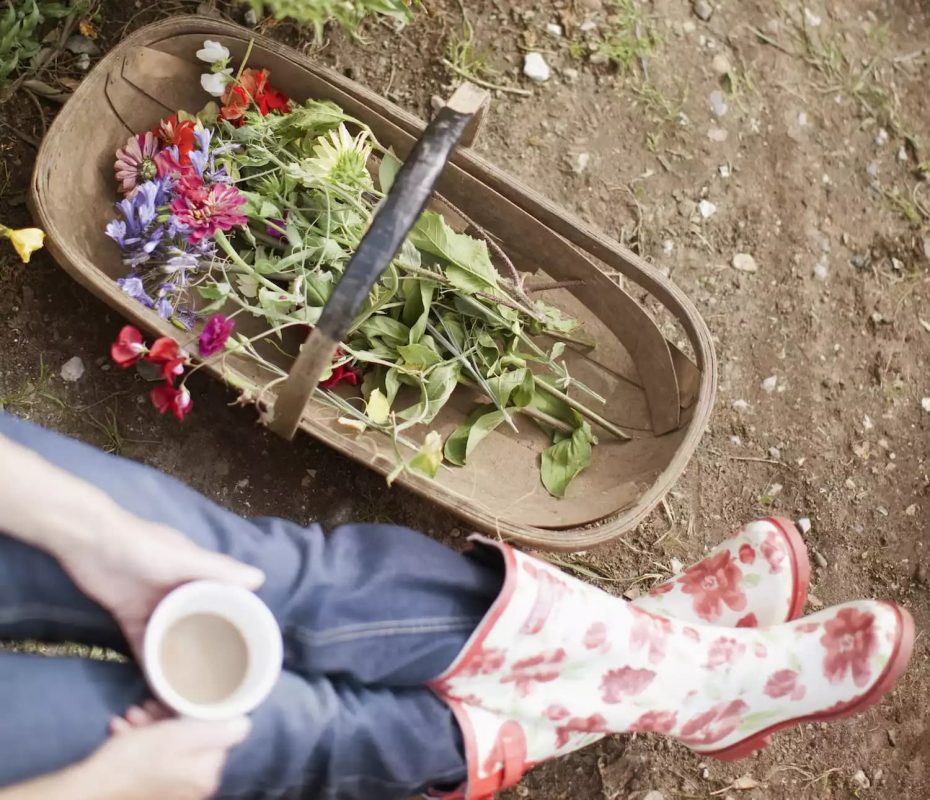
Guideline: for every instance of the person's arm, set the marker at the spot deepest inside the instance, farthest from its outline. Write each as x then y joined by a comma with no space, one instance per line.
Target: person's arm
174,760
125,563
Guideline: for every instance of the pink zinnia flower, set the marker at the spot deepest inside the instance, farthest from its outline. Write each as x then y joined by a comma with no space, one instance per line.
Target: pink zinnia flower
135,162
207,209
215,335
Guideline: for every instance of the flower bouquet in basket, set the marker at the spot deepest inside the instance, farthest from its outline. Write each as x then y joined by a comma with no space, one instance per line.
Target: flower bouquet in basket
239,220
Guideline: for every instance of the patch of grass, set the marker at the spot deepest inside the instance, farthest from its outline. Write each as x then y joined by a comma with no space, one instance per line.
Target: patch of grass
662,107
909,208
109,427
629,38
347,13
30,393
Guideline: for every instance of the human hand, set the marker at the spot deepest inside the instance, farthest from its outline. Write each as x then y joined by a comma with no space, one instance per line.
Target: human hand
150,758
129,572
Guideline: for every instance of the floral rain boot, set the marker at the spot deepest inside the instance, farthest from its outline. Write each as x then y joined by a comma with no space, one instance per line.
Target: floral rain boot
757,577
557,663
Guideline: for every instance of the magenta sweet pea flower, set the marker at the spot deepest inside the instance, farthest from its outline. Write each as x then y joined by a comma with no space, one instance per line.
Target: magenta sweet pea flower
204,210
215,335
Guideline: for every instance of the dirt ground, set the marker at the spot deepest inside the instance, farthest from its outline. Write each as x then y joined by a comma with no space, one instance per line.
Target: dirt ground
814,170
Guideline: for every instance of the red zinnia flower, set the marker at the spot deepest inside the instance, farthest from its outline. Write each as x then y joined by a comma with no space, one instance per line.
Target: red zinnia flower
168,398
850,641
170,133
714,582
128,348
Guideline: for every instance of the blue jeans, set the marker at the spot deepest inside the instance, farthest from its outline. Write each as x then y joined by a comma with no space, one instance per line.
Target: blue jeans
369,614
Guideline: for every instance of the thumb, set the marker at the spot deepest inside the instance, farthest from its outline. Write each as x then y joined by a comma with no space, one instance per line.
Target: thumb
206,565
188,735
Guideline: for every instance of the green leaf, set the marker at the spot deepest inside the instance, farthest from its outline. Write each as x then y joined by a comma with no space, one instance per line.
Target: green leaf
248,285
387,172
418,356
392,385
419,298
458,447
386,328
428,459
565,460
378,408
524,393
269,210
554,407
438,389
469,266
504,385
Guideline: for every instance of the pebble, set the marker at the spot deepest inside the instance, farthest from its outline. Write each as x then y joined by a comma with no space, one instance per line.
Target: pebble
83,62
588,26
769,384
250,18
688,26
72,370
718,104
707,209
925,404
740,405
860,780
654,795
911,510
811,18
902,153
79,45
668,247
735,441
554,29
580,163
703,10
775,454
743,262
720,64
570,74
535,68
820,559
724,170
872,169
821,273
881,138
717,134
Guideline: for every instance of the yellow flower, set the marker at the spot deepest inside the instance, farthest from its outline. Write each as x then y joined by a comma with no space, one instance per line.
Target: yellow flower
25,240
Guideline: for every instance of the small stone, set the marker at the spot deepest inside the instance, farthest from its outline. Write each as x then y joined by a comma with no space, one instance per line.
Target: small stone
743,262
703,10
599,58
718,104
83,62
535,68
688,26
250,18
892,739
878,775
580,163
724,170
925,404
815,601
770,384
740,405
668,247
735,441
902,153
881,138
812,20
860,780
821,273
72,370
242,484
820,559
654,795
588,26
79,44
676,565
872,169
720,64
707,209
775,454
717,134
570,74
554,29
867,423
911,510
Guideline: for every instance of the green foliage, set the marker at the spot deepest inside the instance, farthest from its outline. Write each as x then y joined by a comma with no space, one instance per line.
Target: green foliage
20,25
348,13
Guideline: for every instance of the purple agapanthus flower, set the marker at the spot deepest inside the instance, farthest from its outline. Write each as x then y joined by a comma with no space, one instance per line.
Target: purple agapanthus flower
135,288
137,230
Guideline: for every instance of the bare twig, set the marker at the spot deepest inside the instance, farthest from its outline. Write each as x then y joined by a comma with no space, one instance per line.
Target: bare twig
486,84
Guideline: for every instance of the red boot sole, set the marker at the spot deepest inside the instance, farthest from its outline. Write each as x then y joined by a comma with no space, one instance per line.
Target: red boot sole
800,563
893,670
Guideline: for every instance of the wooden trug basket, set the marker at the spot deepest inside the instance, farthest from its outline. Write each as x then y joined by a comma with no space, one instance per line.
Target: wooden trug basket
653,389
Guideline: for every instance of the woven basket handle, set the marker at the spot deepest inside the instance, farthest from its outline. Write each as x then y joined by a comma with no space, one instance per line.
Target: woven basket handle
389,228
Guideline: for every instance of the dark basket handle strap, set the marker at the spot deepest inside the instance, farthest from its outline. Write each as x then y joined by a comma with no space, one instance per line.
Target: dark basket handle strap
389,228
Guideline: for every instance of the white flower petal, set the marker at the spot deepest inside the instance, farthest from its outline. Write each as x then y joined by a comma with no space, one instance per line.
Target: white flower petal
215,82
212,52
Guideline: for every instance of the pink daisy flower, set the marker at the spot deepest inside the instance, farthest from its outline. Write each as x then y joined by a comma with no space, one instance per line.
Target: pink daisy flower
204,210
135,162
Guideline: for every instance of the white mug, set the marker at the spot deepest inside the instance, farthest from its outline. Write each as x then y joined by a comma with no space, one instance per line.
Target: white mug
248,615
